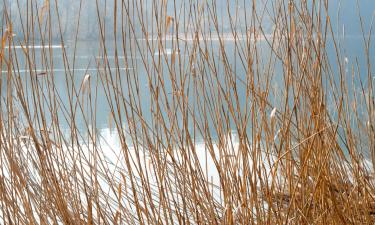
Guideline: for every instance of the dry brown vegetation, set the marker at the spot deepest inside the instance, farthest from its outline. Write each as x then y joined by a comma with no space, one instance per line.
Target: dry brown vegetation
298,156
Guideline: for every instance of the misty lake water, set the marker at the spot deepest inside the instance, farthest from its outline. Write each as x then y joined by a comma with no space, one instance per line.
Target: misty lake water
86,58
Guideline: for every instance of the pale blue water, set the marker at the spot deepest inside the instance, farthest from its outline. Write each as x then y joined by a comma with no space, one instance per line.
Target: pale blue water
88,58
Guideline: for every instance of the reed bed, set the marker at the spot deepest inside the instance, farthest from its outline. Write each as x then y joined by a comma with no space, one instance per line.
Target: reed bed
270,131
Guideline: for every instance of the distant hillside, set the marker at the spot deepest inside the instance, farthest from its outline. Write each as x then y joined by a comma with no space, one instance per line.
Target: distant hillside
69,12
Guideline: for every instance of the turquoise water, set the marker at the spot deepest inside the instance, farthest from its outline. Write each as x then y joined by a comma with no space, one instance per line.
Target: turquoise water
128,70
